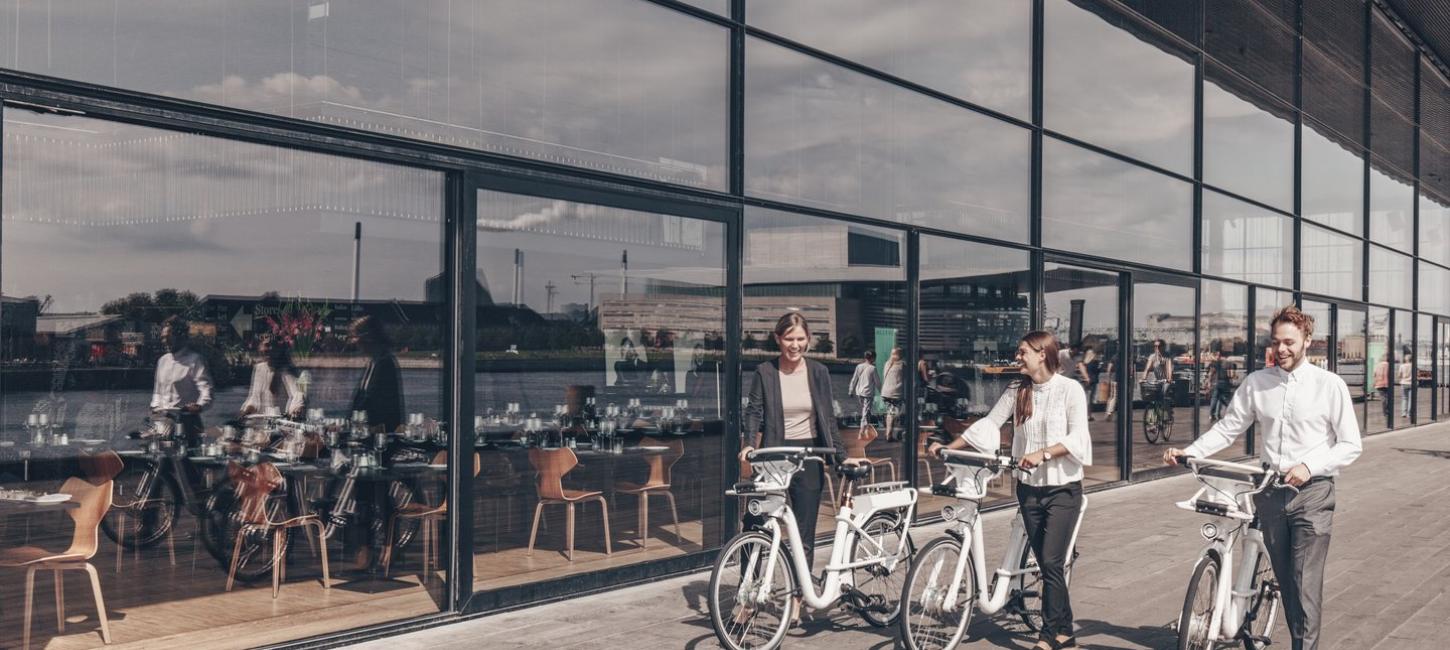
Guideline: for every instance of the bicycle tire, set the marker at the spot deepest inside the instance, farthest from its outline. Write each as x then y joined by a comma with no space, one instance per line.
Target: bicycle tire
158,509
1193,624
1150,425
879,583
1258,623
927,570
1166,418
223,512
735,551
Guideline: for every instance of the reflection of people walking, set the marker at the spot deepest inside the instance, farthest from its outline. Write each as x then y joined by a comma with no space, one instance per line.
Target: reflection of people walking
1222,386
1310,433
891,391
1382,385
864,385
182,381
1405,378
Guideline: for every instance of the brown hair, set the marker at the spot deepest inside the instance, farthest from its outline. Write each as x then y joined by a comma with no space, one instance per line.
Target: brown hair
1044,342
1293,316
791,320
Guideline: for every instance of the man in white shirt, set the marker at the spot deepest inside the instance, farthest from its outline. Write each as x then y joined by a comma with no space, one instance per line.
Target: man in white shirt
182,381
864,385
1310,433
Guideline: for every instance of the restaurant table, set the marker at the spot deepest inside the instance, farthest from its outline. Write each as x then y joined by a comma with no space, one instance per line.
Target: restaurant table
15,507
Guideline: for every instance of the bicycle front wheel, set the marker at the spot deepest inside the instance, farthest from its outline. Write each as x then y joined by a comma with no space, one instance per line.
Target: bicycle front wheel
746,613
1151,425
1198,606
927,620
144,508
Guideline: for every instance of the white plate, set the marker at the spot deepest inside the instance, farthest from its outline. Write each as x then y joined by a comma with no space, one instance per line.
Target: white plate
59,497
653,448
444,466
88,441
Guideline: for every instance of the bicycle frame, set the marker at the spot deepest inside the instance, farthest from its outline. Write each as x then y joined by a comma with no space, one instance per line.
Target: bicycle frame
971,489
781,522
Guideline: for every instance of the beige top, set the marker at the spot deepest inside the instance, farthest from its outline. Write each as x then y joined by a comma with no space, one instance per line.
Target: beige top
795,404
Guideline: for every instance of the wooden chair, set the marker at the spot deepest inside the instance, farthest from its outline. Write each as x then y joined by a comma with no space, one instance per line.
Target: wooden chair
93,499
552,465
923,441
254,486
856,443
658,484
429,517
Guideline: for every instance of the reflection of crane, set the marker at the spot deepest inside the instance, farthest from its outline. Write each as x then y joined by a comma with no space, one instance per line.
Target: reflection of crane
591,276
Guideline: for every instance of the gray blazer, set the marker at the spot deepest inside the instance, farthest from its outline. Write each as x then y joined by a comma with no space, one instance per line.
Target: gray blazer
765,420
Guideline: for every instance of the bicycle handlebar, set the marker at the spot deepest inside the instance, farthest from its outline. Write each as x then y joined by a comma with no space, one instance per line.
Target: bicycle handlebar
782,453
1263,476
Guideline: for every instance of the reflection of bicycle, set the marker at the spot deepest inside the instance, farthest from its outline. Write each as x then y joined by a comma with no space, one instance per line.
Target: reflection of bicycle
1157,412
153,487
1221,606
945,583
759,574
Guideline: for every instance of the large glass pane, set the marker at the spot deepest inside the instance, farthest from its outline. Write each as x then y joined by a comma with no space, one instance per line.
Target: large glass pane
1225,354
1390,278
1393,61
1332,182
826,137
1352,342
1096,205
1424,366
1246,242
1333,94
1379,349
1105,77
976,303
1403,367
1442,369
1434,288
1081,309
1254,40
978,50
1333,264
1164,367
849,282
1435,229
1248,142
598,417
619,86
1320,351
1391,209
205,328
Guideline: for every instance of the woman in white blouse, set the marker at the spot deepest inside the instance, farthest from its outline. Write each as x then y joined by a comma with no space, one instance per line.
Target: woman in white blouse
1050,435
274,381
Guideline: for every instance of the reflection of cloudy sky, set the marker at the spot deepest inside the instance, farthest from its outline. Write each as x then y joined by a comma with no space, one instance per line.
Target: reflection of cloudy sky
1097,205
978,50
619,85
1107,86
94,211
831,138
1247,150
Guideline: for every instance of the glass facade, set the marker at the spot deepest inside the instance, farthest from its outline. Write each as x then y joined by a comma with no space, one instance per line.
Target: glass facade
473,292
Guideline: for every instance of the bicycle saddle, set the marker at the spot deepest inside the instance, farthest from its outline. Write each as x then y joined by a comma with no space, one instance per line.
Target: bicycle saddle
854,472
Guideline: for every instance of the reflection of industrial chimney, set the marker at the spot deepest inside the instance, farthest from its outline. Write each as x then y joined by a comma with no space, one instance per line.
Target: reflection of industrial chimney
1074,326
624,274
356,257
518,277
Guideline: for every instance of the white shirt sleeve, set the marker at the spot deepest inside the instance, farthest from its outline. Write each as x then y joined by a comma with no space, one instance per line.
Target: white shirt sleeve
294,393
1079,442
1236,420
203,383
985,435
1347,446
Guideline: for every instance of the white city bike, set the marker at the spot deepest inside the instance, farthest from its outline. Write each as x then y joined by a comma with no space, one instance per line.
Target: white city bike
760,572
941,592
1232,596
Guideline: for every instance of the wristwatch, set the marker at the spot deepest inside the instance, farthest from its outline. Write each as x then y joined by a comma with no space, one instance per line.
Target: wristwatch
1046,455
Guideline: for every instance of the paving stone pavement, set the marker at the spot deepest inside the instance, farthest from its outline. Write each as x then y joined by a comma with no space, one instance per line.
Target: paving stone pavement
1385,588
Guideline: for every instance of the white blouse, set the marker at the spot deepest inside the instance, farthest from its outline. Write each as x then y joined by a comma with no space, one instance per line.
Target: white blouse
1059,415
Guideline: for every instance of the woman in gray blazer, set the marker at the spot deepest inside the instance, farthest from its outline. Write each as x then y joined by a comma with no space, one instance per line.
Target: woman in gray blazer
790,405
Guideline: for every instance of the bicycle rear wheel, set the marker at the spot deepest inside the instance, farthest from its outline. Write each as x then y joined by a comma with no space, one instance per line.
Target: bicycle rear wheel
881,584
742,618
1263,606
927,621
145,506
1198,606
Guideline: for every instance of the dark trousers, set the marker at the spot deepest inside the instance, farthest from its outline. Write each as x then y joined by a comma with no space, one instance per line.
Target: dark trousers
1385,395
805,502
1050,515
1296,529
